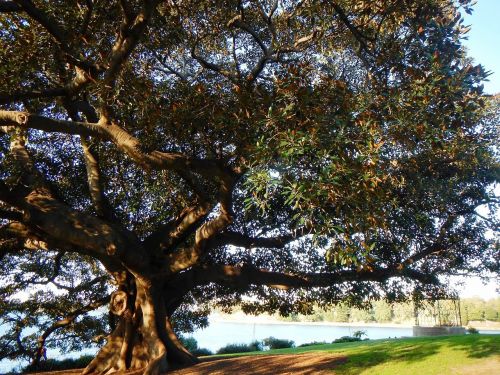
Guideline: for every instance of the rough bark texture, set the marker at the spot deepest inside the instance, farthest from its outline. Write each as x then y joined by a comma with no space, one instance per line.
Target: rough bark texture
143,337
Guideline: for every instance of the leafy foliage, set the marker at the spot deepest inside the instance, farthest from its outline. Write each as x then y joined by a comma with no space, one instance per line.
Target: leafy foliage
346,339
274,343
191,344
240,348
57,365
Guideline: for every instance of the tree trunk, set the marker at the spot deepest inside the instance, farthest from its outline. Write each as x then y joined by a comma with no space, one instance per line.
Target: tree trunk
143,337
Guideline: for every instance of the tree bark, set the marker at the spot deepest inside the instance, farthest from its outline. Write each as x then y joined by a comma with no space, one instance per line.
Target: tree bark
143,338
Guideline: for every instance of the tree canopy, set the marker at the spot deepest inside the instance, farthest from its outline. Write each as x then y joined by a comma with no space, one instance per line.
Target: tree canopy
168,157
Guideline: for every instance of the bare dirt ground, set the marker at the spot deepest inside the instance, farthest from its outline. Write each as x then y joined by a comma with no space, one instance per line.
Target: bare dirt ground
297,364
303,364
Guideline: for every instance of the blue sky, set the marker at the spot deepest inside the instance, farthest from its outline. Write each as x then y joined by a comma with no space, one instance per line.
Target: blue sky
484,40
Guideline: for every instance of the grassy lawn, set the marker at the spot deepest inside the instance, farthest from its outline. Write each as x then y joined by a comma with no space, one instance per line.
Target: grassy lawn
468,354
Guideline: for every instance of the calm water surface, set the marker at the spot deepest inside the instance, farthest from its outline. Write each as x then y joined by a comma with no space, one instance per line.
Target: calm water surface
219,334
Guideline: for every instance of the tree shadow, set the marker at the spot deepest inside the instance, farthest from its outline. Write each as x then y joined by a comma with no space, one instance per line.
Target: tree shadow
418,349
373,355
478,346
349,358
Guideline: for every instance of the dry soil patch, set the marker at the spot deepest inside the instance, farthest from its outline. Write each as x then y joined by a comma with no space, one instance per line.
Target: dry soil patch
297,364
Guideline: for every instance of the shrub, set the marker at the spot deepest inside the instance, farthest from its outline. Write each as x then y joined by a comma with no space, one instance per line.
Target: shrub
313,343
359,334
346,339
189,343
240,348
200,352
472,331
274,343
64,364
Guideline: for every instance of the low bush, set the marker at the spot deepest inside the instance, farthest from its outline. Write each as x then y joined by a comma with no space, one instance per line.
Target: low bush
472,331
240,348
359,334
191,345
274,343
64,364
201,352
346,339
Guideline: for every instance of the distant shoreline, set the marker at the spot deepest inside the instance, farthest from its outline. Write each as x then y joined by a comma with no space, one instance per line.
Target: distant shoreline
240,318
249,319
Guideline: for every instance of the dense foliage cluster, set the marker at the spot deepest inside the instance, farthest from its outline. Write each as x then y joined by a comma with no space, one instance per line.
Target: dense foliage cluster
168,157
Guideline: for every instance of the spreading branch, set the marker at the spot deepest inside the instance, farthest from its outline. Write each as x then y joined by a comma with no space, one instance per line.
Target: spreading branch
189,257
169,235
66,321
100,201
247,275
130,34
241,240
59,35
124,141
80,81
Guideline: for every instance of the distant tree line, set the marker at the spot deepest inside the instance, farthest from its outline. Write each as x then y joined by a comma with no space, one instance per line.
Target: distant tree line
444,311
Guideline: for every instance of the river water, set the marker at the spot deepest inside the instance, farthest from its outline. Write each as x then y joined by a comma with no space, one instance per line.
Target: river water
220,333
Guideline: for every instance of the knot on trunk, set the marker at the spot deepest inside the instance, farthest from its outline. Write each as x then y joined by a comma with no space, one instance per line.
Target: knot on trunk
118,303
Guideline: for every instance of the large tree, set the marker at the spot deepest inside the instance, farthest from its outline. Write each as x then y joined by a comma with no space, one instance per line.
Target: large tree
172,156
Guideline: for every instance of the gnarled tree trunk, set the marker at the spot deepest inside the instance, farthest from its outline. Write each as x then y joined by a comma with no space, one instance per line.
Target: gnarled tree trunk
143,337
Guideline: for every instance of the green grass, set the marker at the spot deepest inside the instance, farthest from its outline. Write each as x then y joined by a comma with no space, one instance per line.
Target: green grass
423,355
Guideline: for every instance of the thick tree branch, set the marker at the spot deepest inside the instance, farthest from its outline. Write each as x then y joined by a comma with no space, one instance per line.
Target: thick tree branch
244,276
6,98
101,203
10,214
168,236
87,18
241,240
12,238
57,33
80,231
123,140
188,257
435,247
43,19
129,36
16,236
80,80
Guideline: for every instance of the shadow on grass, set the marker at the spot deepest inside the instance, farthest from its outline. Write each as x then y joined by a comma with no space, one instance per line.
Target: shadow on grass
478,346
350,358
373,355
418,349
